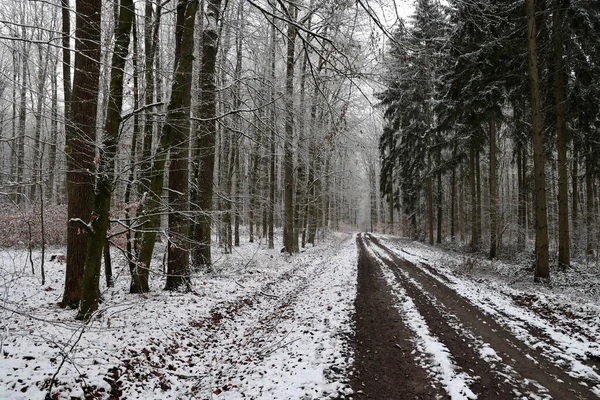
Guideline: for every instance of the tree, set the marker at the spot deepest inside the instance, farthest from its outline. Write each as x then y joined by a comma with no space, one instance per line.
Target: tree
206,134
80,143
290,241
564,257
541,218
178,273
99,221
175,128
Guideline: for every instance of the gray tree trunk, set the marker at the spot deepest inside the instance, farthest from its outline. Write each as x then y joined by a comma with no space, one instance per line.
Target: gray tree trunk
541,217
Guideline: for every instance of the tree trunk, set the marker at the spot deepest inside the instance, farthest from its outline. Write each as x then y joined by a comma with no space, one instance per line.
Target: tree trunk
472,181
206,133
178,271
20,177
429,174
479,207
589,183
564,256
176,112
272,128
290,241
99,222
139,276
133,151
439,196
493,189
453,196
521,200
37,162
108,274
575,200
53,139
541,218
80,145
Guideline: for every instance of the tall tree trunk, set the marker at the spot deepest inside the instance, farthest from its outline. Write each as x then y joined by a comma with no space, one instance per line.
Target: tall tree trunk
37,162
177,110
53,139
206,133
15,143
80,144
472,181
429,174
439,195
178,271
479,195
140,274
66,55
521,200
290,241
564,256
493,189
541,217
272,128
453,195
391,212
20,178
589,183
99,222
301,184
133,151
575,199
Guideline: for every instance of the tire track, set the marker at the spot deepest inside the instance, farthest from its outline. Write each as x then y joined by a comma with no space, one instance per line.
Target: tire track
463,328
384,366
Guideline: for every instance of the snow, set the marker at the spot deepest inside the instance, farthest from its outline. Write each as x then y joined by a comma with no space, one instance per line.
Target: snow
567,319
439,362
263,325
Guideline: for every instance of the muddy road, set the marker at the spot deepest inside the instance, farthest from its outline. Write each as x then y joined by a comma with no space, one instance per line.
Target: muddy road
416,338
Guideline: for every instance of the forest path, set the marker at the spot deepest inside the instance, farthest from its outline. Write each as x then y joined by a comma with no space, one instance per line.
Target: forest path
417,338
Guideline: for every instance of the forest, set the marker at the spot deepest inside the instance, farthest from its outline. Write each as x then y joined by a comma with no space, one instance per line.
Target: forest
491,126
193,122
196,123
215,198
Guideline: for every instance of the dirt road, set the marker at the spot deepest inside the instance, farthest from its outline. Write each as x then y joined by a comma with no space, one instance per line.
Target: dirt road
448,348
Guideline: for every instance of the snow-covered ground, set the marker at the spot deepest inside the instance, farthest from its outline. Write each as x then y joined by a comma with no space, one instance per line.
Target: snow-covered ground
562,320
263,325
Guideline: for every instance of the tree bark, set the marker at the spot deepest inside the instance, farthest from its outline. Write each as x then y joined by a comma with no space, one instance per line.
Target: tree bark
20,177
80,144
472,181
206,133
429,174
99,222
53,139
564,256
272,128
575,199
541,217
38,146
178,270
589,183
290,241
170,140
493,189
521,199
139,276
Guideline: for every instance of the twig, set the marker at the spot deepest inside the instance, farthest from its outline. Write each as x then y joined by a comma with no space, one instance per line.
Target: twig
64,359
